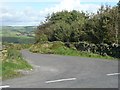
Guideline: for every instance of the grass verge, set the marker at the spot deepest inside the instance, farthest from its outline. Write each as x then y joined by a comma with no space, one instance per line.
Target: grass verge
12,61
61,49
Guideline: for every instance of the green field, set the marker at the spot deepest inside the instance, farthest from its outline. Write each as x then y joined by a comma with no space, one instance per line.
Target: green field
17,34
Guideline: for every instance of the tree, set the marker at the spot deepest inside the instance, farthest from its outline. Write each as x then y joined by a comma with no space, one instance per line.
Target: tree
75,26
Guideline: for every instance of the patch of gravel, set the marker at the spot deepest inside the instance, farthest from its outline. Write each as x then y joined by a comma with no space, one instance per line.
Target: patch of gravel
25,72
38,69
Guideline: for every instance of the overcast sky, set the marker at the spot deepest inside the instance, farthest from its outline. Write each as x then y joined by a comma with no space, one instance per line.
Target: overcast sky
32,12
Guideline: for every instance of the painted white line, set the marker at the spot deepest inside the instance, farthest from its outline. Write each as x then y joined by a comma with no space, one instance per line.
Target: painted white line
60,80
113,74
4,86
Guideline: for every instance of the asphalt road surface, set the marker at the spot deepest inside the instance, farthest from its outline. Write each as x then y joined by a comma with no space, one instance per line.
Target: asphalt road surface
56,71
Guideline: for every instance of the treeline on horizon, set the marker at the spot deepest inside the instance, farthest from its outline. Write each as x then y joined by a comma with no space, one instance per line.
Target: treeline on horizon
75,26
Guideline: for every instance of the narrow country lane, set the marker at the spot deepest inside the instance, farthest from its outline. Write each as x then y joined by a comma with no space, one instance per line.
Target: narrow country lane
56,71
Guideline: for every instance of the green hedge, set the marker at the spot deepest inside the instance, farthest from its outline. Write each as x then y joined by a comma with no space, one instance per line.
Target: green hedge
102,49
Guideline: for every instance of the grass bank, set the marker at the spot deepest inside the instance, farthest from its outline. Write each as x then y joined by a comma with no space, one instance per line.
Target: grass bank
61,49
12,61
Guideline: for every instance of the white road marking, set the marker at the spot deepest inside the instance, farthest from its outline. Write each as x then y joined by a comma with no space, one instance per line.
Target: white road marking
4,86
60,80
113,74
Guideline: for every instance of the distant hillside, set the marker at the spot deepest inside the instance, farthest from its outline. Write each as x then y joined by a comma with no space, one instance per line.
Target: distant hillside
17,34
15,31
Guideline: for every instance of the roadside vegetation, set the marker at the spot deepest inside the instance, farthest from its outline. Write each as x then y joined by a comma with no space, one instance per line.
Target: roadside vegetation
89,33
12,61
60,48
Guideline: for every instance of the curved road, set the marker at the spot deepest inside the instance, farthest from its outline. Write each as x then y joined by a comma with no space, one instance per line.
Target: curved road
55,71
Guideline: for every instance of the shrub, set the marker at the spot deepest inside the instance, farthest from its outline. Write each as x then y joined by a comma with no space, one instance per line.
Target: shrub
102,49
